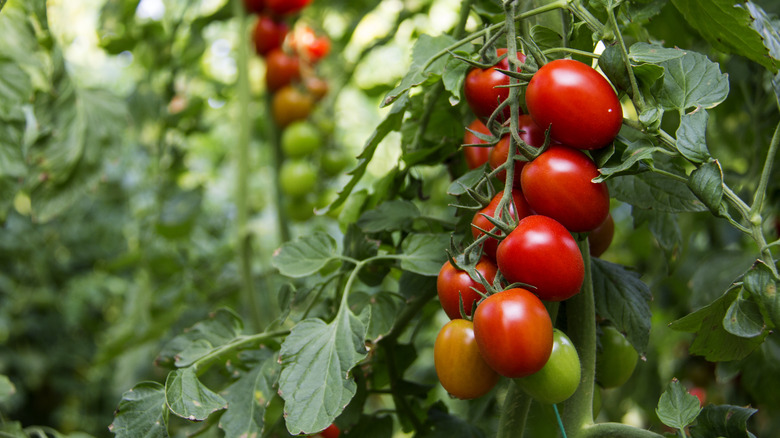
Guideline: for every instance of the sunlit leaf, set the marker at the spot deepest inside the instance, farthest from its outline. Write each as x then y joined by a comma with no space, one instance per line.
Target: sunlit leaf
676,407
423,67
305,255
690,81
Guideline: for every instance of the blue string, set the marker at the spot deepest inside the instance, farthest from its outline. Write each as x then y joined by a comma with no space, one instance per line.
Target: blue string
560,423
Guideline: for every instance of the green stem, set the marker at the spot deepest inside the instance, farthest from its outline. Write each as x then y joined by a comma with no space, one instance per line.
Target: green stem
758,200
583,14
671,175
514,105
514,414
571,51
202,363
615,430
277,156
636,96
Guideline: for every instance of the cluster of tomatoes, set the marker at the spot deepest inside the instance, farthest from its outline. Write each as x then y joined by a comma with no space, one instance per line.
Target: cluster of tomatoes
499,323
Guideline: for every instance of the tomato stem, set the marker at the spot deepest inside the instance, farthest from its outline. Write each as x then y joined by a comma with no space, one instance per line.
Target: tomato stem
636,96
511,423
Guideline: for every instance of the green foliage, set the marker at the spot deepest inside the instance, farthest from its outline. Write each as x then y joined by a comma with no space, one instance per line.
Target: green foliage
676,407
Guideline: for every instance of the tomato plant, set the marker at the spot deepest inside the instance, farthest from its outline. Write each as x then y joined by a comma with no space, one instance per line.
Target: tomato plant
459,365
616,359
540,252
601,237
484,88
560,376
297,177
576,102
316,86
475,155
530,133
268,35
513,332
454,285
281,69
300,139
254,6
291,104
518,209
308,45
284,7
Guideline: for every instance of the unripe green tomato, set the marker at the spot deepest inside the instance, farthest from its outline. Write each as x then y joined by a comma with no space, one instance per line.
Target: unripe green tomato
299,209
560,376
616,360
333,162
300,139
297,177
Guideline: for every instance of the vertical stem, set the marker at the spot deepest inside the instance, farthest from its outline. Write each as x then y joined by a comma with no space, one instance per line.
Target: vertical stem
274,138
514,413
636,96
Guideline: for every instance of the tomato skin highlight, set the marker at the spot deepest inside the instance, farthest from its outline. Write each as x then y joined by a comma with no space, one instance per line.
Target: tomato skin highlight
615,360
601,237
560,376
518,210
514,332
480,89
452,285
542,253
281,69
268,35
476,155
461,369
577,101
529,132
558,184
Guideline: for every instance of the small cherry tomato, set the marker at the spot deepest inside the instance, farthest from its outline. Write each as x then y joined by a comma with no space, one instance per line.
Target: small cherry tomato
475,155
615,360
530,133
601,237
297,178
517,210
578,104
281,69
290,104
514,332
268,34
558,184
309,46
454,285
461,369
482,90
331,431
283,7
560,376
300,139
542,253
316,86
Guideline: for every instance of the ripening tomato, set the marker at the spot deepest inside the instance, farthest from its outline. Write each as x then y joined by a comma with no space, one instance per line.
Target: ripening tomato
268,34
560,376
558,184
452,285
517,210
290,104
615,360
331,431
316,86
281,69
297,177
308,44
254,6
514,332
461,369
476,155
530,133
480,88
601,237
282,7
578,104
542,253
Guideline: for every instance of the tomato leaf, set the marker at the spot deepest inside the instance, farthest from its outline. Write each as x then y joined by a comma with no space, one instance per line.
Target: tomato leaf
706,183
634,159
202,338
423,52
655,192
729,28
424,253
676,407
316,361
759,281
389,216
444,425
664,227
612,64
743,318
455,74
7,388
248,397
468,179
141,413
305,255
723,420
653,53
188,398
375,427
624,299
691,139
690,81
384,309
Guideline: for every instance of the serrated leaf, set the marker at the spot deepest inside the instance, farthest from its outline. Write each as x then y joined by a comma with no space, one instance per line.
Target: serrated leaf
624,299
7,388
546,38
141,413
247,399
316,361
651,191
305,255
690,81
202,338
712,340
760,282
763,25
723,421
744,318
653,53
691,139
423,51
637,154
727,27
676,407
706,183
424,253
392,215
190,399
384,309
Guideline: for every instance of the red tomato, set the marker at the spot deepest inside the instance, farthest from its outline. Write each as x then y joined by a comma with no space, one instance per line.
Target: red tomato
530,133
476,155
282,7
453,284
514,332
542,253
331,431
480,88
254,6
461,369
700,393
268,35
309,45
281,69
600,238
519,206
577,101
558,184
290,104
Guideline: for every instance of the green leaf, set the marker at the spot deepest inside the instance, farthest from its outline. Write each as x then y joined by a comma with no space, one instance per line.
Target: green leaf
664,226
723,421
763,25
760,282
653,53
691,139
247,399
201,339
455,74
638,153
316,361
712,340
651,191
424,253
727,27
468,179
141,413
384,309
389,216
305,255
7,388
546,38
444,425
15,85
374,427
744,317
188,398
612,64
691,81
624,299
178,213
423,51
706,183
676,407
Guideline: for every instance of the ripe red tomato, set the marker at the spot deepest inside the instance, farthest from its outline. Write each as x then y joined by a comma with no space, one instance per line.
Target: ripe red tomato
558,184
542,253
601,237
453,284
480,88
577,101
461,369
530,133
268,34
254,6
282,7
476,155
331,431
615,360
514,332
518,210
309,46
290,104
700,393
560,376
281,69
